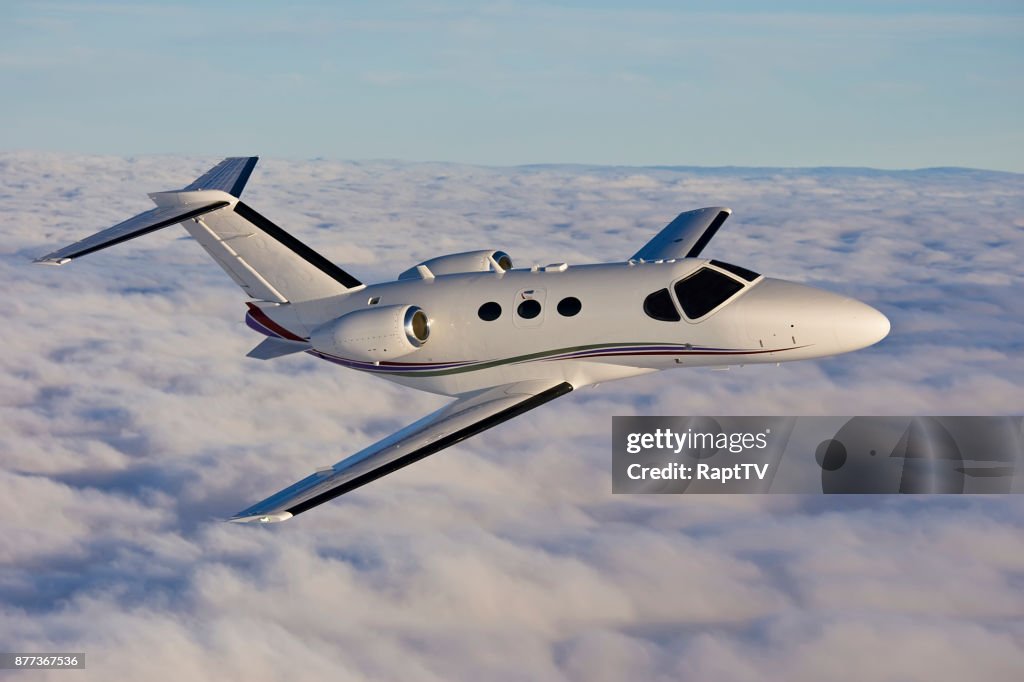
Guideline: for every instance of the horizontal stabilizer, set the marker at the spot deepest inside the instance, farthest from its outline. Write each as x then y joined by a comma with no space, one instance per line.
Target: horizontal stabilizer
274,348
144,223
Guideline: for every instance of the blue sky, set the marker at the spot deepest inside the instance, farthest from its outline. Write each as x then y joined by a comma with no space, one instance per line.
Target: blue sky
891,85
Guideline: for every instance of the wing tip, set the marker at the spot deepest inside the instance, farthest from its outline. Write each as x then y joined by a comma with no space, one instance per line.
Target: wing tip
49,260
274,517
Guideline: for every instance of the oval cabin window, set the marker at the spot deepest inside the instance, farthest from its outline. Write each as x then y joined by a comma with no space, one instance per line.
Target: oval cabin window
528,309
489,311
569,306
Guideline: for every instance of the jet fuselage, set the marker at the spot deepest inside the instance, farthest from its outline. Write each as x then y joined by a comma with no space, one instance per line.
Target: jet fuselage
605,333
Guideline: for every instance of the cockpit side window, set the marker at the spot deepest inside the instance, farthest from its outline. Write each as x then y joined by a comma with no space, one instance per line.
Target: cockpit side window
742,272
705,290
659,305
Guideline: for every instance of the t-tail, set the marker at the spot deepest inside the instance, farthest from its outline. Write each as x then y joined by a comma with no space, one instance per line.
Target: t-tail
267,262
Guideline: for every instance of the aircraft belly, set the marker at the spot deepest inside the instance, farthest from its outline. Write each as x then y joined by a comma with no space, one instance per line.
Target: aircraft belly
578,373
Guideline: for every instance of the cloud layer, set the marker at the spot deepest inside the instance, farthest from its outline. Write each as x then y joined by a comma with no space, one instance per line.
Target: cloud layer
132,423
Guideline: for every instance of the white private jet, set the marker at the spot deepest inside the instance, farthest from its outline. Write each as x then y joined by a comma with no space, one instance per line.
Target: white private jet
500,340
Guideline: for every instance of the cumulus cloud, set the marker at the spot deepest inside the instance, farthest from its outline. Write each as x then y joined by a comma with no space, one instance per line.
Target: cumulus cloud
132,424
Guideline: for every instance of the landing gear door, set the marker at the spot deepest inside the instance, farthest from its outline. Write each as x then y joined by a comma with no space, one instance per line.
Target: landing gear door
528,308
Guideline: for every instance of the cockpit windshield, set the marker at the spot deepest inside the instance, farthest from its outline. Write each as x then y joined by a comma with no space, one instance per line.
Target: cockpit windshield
705,290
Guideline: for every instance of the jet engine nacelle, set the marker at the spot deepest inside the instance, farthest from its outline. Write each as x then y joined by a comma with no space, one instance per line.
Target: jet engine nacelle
374,334
487,260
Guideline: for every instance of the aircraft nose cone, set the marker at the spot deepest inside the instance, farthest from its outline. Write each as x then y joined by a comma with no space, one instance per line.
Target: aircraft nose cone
858,325
815,322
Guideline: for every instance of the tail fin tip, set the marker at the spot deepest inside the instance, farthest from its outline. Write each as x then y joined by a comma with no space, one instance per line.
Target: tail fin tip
230,175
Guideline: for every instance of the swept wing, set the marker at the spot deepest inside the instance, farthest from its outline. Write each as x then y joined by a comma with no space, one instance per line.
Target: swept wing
686,236
457,421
